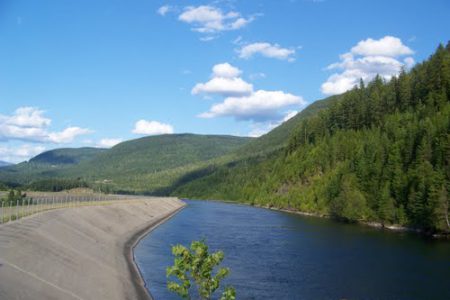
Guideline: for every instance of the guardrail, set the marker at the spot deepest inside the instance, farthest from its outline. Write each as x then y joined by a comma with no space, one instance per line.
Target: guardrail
17,209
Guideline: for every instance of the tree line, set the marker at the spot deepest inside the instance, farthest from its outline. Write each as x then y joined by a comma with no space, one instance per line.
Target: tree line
380,153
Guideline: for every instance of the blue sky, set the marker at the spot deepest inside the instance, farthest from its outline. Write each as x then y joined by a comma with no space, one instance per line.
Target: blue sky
92,73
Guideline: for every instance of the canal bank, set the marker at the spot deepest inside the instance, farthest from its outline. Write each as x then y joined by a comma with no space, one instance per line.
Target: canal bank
79,253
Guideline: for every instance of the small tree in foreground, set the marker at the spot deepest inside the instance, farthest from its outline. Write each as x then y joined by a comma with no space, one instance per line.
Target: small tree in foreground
195,266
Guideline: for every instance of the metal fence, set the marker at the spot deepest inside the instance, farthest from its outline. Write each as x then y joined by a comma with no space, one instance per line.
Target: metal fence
14,210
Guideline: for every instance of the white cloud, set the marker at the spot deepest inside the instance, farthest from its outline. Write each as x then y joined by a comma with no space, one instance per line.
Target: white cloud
289,115
259,106
208,38
226,70
163,10
365,60
108,143
19,153
67,135
152,128
409,62
27,117
256,76
224,82
259,129
387,46
209,19
241,101
266,50
29,124
223,86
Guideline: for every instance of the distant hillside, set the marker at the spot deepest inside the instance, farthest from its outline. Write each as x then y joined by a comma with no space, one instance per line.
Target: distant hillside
279,136
159,153
65,156
49,164
4,163
379,153
142,165
250,153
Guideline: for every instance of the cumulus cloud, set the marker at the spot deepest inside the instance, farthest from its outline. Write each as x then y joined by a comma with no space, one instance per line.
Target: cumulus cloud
365,60
152,128
266,50
226,70
163,10
223,86
208,19
108,143
265,109
259,106
67,135
29,124
27,117
387,46
259,129
16,154
225,81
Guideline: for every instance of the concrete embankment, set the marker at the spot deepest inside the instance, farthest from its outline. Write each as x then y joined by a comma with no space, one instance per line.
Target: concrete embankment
79,253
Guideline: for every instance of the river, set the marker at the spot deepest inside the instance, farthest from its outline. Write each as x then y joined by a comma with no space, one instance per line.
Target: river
277,255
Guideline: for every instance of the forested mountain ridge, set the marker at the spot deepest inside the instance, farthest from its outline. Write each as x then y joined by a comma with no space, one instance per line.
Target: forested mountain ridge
279,136
381,153
65,156
143,165
48,164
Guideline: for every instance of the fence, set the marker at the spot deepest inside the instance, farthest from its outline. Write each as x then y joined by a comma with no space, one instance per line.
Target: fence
16,209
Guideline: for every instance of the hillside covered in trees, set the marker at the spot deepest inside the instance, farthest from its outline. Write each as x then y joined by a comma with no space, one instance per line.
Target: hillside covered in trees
143,165
377,153
380,153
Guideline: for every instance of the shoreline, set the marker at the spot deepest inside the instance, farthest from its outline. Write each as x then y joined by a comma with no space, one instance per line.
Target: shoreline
136,275
376,225
80,253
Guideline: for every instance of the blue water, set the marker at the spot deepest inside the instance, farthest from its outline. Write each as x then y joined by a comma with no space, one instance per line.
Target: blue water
276,255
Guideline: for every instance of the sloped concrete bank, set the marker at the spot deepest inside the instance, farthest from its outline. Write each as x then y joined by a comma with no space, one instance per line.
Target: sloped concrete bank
79,253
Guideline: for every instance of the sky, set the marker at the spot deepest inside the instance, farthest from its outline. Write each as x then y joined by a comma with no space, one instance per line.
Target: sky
94,73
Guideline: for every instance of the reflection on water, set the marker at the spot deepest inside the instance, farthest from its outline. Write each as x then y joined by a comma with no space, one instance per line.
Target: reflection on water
276,255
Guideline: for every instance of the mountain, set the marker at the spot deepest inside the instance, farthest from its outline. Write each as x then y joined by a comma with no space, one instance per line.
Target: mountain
48,164
378,153
4,163
279,136
66,156
141,165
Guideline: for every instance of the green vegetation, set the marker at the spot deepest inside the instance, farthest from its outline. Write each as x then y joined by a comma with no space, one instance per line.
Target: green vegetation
56,185
379,153
146,165
196,266
47,165
66,156
13,197
278,138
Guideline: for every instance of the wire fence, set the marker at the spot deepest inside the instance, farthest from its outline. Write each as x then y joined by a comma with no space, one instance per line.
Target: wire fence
17,209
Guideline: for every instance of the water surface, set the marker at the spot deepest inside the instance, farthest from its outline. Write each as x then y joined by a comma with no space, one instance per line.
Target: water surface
277,255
